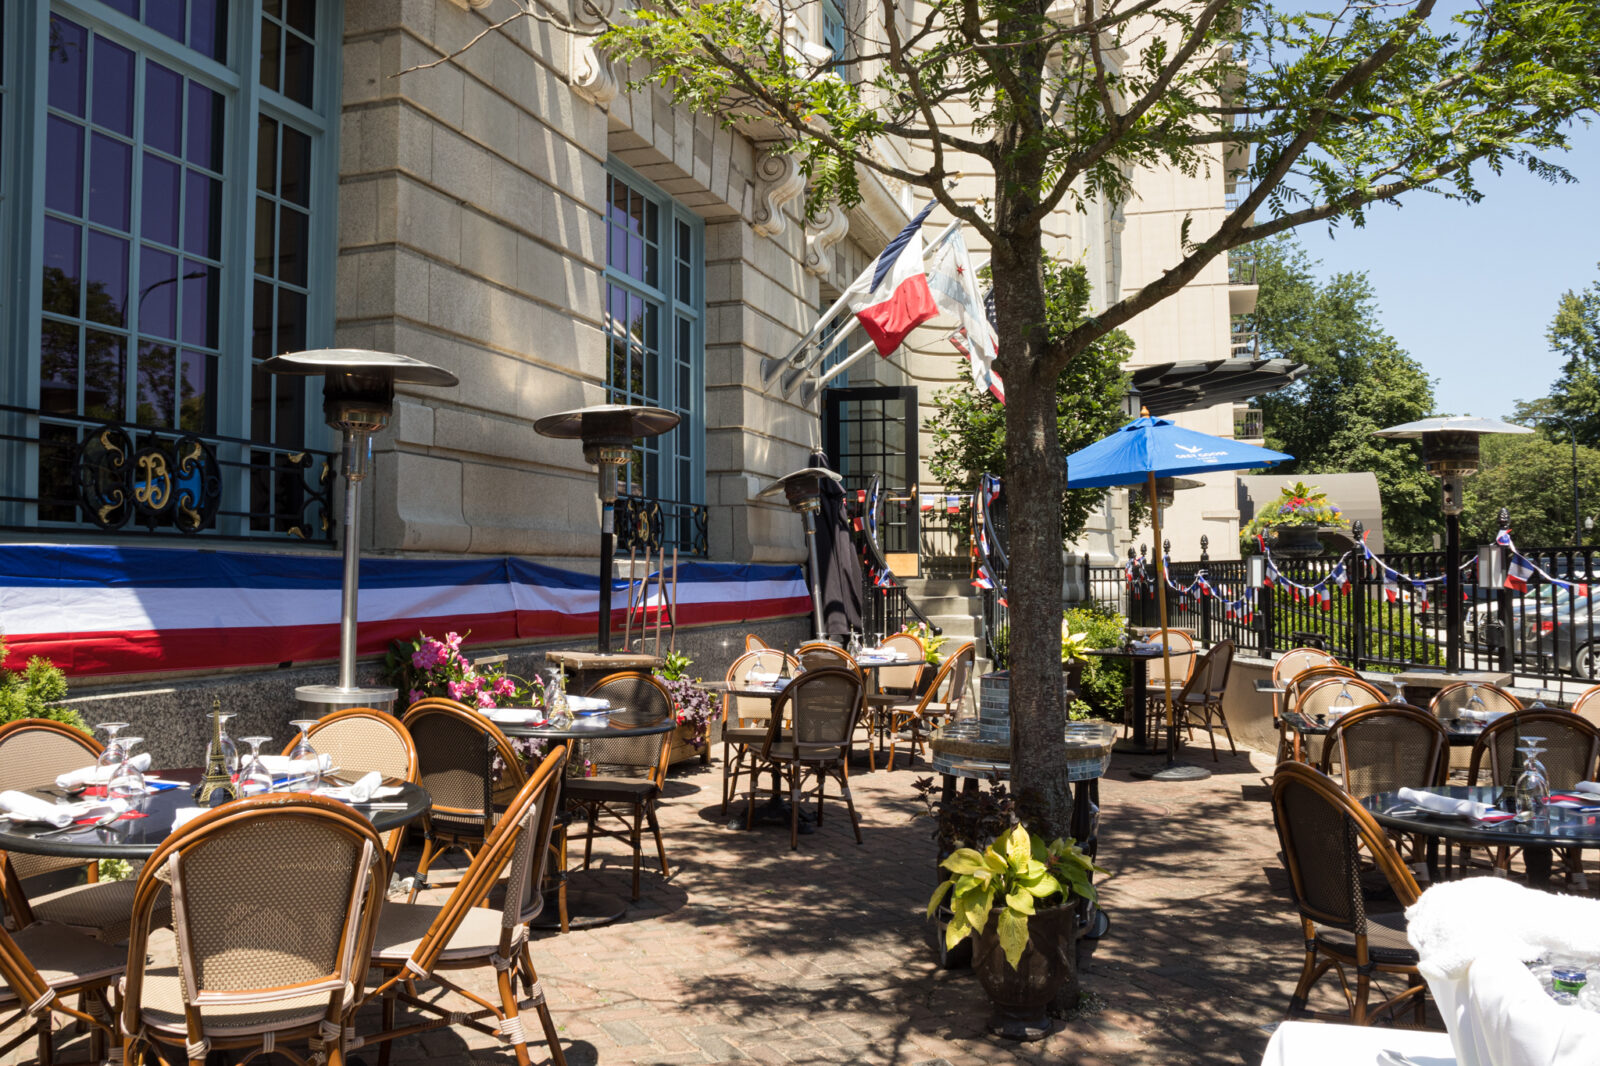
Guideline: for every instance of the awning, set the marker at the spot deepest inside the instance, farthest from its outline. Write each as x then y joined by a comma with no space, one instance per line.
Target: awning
1171,388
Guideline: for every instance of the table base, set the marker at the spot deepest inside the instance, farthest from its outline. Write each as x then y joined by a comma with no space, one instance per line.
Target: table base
1135,746
1178,771
777,811
586,909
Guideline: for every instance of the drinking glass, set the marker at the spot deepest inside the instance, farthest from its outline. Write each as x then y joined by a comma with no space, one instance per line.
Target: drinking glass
1399,690
1343,703
1533,784
854,647
305,775
1475,701
555,698
111,757
254,777
230,750
127,782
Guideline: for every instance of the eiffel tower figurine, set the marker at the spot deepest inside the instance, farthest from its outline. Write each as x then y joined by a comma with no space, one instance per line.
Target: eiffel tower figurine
217,778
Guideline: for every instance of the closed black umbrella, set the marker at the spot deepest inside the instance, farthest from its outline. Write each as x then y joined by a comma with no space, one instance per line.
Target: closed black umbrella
838,567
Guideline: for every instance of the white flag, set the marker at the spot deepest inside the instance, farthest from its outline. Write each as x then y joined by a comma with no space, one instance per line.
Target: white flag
955,287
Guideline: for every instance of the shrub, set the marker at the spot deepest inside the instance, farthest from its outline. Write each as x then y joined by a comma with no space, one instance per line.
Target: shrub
36,692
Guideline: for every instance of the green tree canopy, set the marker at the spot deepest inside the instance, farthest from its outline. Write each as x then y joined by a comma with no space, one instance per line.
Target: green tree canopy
1530,476
1357,380
1574,334
969,427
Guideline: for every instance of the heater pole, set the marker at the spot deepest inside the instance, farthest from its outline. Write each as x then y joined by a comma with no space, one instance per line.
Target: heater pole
816,577
354,471
608,544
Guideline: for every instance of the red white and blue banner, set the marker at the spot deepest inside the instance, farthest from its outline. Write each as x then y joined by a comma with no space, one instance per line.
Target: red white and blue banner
893,298
117,610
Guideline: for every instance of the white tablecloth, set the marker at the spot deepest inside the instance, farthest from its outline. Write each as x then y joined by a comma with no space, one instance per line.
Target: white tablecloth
1324,1044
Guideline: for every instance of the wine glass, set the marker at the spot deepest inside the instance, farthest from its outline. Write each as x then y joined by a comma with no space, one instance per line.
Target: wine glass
230,750
254,777
555,698
111,757
1533,784
127,783
1399,690
1343,703
305,767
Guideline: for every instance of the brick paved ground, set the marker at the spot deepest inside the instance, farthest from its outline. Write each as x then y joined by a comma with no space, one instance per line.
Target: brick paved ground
753,952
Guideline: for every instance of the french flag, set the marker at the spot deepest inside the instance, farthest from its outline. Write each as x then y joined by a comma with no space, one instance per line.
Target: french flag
893,298
1518,574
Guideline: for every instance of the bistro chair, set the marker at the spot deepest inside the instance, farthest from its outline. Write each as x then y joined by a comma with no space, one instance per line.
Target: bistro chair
361,740
416,942
1293,687
1181,651
274,901
1451,700
33,752
820,655
1202,704
823,707
456,751
1386,748
628,771
1291,664
895,684
946,698
1322,830
754,643
744,718
1571,746
43,965
1329,692
1587,705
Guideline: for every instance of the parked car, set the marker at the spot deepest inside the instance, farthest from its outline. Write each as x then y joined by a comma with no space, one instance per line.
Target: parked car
1486,609
1565,630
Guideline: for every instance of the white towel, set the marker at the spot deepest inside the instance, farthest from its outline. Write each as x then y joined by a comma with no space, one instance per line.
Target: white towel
587,703
518,715
1462,808
99,775
279,765
1587,786
22,807
370,787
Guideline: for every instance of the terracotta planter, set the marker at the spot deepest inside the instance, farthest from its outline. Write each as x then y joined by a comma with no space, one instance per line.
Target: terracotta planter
1021,996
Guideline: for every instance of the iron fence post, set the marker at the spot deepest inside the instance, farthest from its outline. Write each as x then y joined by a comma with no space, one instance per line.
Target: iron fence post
1358,601
1268,595
1503,605
1205,601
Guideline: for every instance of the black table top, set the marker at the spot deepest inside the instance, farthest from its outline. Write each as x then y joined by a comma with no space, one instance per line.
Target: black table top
1460,734
138,838
1133,653
1558,828
611,732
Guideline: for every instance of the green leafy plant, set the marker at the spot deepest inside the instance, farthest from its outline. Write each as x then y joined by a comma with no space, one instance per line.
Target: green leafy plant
694,704
36,691
1011,879
1073,644
931,641
1103,681
1299,505
674,666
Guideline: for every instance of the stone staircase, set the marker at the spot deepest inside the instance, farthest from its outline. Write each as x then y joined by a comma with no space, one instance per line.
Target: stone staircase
956,608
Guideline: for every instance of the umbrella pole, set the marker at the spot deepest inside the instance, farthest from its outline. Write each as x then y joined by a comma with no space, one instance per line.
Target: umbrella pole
1173,770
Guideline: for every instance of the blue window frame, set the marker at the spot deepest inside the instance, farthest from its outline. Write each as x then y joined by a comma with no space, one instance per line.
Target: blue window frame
169,167
655,281
833,33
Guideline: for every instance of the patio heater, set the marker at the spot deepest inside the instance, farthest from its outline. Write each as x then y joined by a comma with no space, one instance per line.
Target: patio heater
357,399
607,431
1450,453
803,490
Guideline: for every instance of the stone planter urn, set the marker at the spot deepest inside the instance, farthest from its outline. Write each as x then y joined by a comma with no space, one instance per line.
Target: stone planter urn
1295,542
1022,995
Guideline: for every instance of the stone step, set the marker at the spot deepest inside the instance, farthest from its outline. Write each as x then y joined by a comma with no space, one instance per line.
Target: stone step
932,605
922,588
963,625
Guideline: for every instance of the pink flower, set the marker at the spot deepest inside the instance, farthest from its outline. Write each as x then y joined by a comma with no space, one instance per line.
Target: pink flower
485,699
458,689
418,694
504,686
453,639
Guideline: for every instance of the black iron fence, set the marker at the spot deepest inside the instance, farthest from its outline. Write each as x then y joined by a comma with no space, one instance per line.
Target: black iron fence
643,522
1383,612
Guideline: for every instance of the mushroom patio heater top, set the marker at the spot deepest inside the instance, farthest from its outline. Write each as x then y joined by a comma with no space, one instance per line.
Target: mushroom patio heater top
357,399
1450,453
803,491
607,431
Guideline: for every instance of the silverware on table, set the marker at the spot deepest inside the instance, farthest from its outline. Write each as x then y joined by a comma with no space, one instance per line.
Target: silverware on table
100,823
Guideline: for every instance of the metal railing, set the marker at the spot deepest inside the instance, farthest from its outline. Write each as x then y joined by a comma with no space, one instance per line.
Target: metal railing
1248,423
71,473
661,525
1243,341
886,607
995,564
1241,267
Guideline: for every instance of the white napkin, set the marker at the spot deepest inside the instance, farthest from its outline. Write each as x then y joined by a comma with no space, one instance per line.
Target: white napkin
1587,786
22,807
587,703
761,677
1481,716
518,715
1431,801
279,765
184,815
370,787
99,775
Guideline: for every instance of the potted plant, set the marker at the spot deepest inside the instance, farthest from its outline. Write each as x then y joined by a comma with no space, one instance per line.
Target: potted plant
693,706
1291,523
969,818
1073,657
1015,899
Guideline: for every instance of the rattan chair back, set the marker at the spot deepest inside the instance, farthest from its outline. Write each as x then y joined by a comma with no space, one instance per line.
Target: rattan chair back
1296,661
1321,829
275,901
953,700
1385,748
456,747
820,655
361,740
1302,681
1571,746
1587,705
903,678
1221,656
637,699
822,707
754,643
752,710
1449,701
33,753
1321,696
517,849
1181,651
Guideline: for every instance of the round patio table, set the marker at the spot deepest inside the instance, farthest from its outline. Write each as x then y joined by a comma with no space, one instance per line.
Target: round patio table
1459,733
1538,839
138,838
586,908
1139,742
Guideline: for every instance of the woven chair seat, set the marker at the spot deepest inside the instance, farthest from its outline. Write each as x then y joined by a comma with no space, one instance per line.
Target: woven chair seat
65,957
103,908
784,750
162,1010
610,789
402,926
744,734
1386,940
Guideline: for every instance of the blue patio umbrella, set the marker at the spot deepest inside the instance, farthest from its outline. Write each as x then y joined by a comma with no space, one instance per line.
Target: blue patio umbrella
1142,451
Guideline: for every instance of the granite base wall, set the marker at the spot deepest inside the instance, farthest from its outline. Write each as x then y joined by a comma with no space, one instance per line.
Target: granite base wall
171,715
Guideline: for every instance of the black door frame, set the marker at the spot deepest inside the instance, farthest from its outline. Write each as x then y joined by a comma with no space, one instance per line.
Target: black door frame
834,398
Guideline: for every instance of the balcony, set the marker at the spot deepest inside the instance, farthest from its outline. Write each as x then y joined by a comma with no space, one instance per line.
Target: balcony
1242,288
1248,424
1243,340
